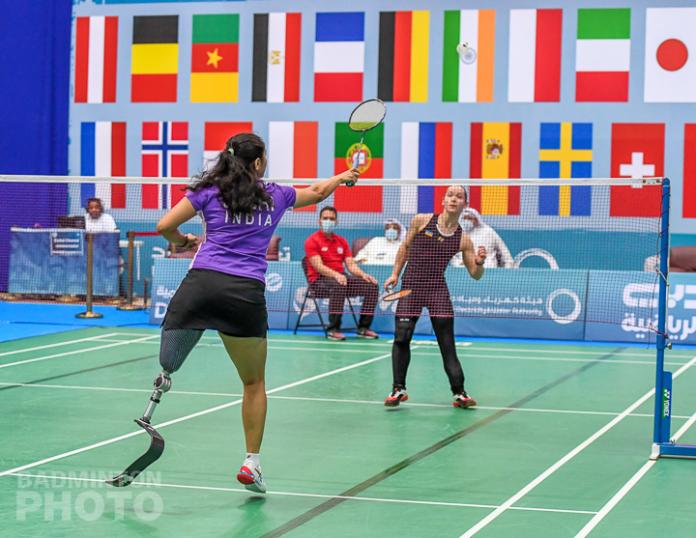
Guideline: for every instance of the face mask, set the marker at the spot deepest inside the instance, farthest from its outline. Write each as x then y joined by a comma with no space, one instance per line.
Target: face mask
328,225
391,234
467,225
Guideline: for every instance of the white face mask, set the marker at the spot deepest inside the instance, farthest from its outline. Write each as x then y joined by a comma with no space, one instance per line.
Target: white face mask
467,225
391,234
327,225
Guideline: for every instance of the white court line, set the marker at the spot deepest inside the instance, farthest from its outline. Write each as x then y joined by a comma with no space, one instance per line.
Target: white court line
75,352
188,417
628,486
58,344
297,494
565,459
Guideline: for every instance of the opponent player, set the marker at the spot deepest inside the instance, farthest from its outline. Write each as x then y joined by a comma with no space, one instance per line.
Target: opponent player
224,289
431,242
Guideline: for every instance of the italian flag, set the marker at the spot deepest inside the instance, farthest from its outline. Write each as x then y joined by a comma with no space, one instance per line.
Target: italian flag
603,54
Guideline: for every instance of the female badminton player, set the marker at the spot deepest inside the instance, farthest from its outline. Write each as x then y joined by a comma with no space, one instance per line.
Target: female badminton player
431,242
224,289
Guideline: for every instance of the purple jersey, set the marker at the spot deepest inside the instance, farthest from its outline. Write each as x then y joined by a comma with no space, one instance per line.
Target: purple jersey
237,244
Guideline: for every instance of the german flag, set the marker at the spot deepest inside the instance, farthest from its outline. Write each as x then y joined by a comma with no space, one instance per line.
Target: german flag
215,59
155,59
403,56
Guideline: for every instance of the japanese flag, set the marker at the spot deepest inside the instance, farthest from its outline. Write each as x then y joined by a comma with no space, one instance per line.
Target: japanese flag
670,55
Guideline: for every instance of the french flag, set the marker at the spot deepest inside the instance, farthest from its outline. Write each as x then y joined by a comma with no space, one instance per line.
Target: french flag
103,153
339,57
96,45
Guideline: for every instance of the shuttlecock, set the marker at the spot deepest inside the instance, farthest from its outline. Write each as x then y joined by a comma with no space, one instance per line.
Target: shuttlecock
466,53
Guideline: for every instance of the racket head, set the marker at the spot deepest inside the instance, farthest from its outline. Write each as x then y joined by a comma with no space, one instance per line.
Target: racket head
367,115
396,295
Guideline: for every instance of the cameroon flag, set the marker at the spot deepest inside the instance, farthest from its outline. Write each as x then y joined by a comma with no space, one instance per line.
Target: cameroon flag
215,59
155,59
370,163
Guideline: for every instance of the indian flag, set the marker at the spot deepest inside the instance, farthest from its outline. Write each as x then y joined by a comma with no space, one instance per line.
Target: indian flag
603,55
468,83
216,135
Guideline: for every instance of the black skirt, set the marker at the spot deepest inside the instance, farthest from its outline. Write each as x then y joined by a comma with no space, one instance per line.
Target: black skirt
208,299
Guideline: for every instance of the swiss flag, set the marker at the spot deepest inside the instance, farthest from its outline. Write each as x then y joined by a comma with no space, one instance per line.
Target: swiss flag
637,150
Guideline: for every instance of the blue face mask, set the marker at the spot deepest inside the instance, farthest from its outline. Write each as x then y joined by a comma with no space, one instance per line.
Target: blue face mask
467,225
328,225
391,234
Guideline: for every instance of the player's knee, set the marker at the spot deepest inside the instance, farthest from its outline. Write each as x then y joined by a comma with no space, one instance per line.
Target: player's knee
404,331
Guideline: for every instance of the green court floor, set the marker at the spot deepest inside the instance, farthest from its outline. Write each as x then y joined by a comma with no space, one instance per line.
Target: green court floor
557,447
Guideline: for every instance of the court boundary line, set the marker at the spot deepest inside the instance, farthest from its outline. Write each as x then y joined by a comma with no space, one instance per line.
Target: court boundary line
187,417
57,344
566,458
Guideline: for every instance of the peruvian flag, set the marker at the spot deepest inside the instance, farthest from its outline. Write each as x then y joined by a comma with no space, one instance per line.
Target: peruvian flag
534,67
637,150
164,153
96,44
103,153
217,133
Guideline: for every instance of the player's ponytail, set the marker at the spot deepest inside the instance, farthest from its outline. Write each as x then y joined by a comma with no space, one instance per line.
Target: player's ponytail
235,174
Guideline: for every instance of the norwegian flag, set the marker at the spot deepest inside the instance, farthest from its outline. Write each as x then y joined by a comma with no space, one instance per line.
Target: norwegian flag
164,153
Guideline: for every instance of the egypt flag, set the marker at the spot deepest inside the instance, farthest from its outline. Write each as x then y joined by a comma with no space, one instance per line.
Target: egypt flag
276,63
347,151
215,59
603,55
534,64
294,146
426,152
495,154
670,55
637,150
339,57
216,135
154,59
403,56
565,151
689,188
164,153
96,45
103,153
473,82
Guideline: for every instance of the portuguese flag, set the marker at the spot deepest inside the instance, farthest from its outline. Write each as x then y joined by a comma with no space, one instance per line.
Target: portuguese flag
371,165
215,59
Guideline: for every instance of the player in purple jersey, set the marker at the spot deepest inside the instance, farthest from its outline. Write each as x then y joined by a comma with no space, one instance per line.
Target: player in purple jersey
431,242
224,289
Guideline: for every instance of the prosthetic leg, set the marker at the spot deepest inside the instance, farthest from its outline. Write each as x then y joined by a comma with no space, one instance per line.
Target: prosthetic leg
175,346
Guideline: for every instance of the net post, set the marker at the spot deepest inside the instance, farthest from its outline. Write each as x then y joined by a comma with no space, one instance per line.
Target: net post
89,313
131,260
663,388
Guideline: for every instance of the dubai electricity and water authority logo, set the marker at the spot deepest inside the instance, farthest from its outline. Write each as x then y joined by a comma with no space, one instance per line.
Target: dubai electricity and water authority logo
360,154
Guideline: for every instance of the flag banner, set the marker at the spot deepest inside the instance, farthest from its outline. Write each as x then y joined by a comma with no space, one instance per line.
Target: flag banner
215,59
495,153
103,153
339,57
637,150
216,135
154,59
403,56
689,188
473,82
276,61
565,151
670,55
534,63
96,47
370,159
164,153
294,146
426,152
603,55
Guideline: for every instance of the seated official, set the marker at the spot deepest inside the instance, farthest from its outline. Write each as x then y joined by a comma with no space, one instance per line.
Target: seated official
96,220
482,235
382,250
326,254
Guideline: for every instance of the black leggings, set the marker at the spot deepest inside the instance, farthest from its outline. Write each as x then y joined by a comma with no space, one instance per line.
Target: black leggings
401,350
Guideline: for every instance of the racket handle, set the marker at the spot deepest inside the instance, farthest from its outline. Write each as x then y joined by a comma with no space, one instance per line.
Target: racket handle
350,183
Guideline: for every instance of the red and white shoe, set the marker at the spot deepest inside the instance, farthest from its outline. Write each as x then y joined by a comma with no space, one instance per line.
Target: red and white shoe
367,333
396,397
252,480
463,400
336,336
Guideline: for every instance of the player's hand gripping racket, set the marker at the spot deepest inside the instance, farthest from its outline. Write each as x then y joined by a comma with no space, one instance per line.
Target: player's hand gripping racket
395,295
365,117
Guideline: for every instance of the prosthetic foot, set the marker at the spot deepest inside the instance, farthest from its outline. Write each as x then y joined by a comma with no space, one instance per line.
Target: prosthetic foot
161,385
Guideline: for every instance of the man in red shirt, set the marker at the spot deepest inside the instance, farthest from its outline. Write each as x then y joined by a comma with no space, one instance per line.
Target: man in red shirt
327,253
